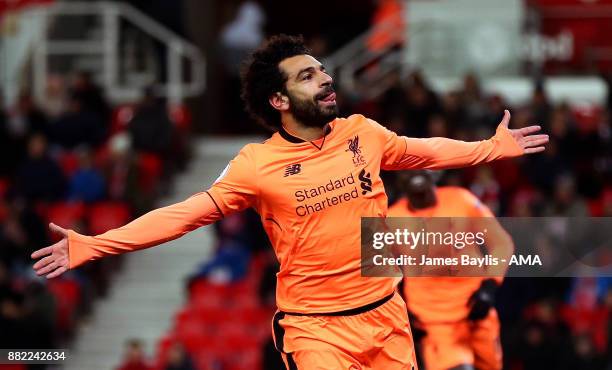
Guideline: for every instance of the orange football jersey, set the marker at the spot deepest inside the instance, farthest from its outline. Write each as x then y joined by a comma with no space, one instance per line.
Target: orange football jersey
310,196
445,299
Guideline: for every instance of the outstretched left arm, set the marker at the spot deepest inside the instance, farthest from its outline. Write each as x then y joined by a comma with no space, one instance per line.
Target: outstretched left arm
440,153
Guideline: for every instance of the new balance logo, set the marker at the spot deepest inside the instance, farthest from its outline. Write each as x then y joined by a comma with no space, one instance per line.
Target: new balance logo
366,182
293,169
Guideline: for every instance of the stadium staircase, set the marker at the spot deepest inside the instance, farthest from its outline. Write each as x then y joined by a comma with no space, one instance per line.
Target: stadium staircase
150,288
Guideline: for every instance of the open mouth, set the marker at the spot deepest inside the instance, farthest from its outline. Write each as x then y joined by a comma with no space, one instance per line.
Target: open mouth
329,98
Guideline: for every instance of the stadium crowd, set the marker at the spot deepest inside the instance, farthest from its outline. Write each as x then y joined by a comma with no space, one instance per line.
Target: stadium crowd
79,162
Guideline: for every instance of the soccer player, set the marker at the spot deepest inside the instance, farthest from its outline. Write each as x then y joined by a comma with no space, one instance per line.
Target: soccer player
455,315
310,182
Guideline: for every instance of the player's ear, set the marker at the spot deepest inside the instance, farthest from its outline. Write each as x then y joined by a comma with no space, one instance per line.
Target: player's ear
279,101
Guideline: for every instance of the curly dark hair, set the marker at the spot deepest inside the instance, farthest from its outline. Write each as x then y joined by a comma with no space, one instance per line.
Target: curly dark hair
262,77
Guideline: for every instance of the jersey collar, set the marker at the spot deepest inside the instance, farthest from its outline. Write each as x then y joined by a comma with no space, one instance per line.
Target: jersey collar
296,140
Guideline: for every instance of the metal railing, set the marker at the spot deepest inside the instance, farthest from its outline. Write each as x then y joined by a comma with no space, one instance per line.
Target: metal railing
349,62
107,47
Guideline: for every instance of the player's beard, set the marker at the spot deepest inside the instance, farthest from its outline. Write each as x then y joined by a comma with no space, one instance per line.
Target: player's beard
310,113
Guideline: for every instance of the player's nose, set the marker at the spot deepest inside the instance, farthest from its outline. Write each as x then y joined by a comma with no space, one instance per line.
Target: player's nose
326,79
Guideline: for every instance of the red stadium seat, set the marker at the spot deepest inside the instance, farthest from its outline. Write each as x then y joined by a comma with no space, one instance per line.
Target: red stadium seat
204,288
181,116
191,322
595,207
66,215
245,358
245,287
107,215
209,301
215,315
102,157
196,342
244,341
258,316
149,171
242,302
163,346
4,185
67,294
587,117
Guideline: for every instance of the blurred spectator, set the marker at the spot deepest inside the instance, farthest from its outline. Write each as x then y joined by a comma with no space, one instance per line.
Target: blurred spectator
238,39
492,116
318,46
437,126
79,125
540,106
87,183
232,256
565,201
543,169
229,264
486,188
27,119
120,170
11,150
90,96
242,35
472,99
583,356
178,359
524,203
561,128
134,358
150,128
40,308
39,177
22,232
5,278
392,105
22,322
55,102
544,337
422,103
11,320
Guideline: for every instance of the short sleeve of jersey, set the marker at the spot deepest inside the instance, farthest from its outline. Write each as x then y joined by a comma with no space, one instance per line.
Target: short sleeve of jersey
236,187
394,146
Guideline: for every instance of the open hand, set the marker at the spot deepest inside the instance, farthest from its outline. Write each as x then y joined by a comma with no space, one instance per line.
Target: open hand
524,136
55,261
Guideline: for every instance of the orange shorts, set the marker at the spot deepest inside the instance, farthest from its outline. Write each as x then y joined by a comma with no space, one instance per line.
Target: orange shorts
448,345
378,338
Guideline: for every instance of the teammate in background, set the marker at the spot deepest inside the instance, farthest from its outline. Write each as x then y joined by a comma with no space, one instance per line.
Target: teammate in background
310,182
455,315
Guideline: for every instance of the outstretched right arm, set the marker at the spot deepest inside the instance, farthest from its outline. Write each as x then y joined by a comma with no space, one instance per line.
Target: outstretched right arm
233,191
156,227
